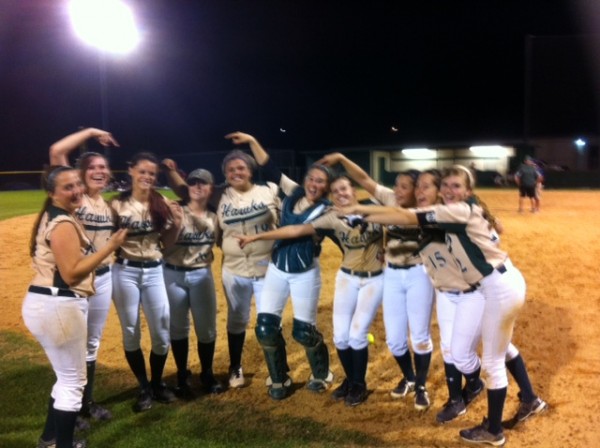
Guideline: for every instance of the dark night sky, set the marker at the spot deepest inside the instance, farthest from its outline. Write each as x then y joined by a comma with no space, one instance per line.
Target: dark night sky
331,73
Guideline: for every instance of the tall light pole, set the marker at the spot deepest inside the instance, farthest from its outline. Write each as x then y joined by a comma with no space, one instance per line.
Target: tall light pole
108,26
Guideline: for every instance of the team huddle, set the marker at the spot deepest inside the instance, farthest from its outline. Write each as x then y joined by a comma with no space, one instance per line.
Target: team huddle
428,242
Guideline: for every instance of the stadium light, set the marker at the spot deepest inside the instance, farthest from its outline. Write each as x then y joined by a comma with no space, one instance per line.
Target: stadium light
489,151
580,143
107,25
419,153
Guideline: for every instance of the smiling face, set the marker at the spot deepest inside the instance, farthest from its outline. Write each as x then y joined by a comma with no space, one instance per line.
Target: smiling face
238,175
316,185
404,190
199,191
68,190
343,193
95,173
427,191
143,175
455,188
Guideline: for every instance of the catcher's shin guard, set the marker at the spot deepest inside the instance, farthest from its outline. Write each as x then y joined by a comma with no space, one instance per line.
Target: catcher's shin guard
316,352
268,333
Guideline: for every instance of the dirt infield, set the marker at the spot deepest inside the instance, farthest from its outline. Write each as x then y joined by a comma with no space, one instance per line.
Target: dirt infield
558,334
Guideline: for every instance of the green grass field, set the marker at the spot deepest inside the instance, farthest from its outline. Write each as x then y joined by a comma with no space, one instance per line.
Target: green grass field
25,202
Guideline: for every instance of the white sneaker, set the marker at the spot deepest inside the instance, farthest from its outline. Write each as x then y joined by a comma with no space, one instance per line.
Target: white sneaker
236,378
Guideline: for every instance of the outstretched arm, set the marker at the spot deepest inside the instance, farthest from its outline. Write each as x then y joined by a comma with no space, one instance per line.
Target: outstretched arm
259,153
60,150
401,217
359,175
282,233
363,209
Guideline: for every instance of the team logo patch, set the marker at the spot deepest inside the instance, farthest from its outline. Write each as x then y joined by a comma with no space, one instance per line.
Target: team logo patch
430,217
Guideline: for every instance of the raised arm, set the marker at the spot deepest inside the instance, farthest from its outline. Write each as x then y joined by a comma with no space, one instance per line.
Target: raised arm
259,153
174,179
60,150
357,174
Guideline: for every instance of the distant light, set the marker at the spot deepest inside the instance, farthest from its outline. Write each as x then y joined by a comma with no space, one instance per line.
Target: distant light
489,151
419,153
283,131
580,143
394,129
105,24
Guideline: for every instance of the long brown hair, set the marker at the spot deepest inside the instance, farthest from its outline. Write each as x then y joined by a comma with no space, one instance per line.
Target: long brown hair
49,176
159,210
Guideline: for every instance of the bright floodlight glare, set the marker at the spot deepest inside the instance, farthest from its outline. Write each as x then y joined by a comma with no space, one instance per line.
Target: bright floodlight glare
419,153
105,24
580,143
489,151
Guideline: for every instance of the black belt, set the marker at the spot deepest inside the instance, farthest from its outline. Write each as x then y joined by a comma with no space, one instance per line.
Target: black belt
501,268
465,291
103,270
180,268
139,264
363,274
53,291
401,266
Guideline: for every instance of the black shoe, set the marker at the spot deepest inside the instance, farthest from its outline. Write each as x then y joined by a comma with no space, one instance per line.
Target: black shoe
185,392
162,394
451,410
144,401
480,434
340,392
81,423
97,412
210,384
525,411
422,401
356,395
52,444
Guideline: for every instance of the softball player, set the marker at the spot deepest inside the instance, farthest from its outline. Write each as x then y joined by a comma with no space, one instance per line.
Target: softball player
407,290
244,208
138,275
358,288
55,307
190,283
484,266
293,271
96,216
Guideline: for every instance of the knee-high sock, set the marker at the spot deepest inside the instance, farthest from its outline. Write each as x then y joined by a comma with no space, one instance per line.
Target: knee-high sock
137,364
422,362
89,387
346,359
180,349
473,380
206,353
517,369
65,426
360,360
157,365
236,346
405,363
453,381
496,398
50,425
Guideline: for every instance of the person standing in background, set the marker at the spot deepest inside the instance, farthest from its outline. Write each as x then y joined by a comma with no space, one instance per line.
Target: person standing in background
526,179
